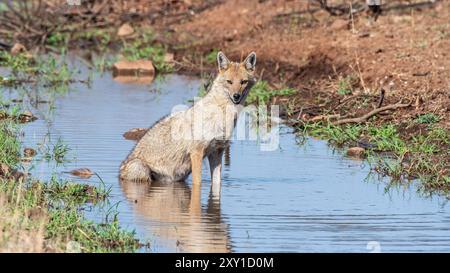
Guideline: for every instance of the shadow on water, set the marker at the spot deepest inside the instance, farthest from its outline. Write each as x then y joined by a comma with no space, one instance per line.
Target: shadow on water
306,198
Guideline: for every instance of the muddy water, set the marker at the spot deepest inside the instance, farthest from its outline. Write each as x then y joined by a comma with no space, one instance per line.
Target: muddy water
299,198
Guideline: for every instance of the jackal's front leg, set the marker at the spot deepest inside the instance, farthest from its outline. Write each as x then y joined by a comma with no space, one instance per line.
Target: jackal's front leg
215,164
196,165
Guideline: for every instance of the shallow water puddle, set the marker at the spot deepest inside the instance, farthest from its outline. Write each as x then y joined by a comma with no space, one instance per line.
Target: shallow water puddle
295,199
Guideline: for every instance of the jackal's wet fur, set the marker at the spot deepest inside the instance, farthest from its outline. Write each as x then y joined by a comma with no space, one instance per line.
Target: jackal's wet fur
176,145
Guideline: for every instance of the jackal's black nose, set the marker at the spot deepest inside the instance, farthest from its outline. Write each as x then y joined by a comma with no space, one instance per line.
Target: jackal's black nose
236,97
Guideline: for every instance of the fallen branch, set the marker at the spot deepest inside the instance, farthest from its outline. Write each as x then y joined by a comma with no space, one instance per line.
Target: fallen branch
325,117
371,113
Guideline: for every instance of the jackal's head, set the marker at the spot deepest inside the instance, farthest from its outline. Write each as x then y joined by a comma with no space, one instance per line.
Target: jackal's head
236,78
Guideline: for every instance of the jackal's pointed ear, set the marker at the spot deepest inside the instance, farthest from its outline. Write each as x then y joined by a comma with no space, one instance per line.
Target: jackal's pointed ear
250,62
222,61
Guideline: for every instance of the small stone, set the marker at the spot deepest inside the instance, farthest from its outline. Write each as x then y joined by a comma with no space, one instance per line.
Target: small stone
339,24
4,169
36,213
139,68
18,48
125,30
169,58
357,152
135,133
29,152
82,172
27,114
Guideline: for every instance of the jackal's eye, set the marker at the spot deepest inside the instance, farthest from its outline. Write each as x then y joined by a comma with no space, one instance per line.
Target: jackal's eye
229,81
244,82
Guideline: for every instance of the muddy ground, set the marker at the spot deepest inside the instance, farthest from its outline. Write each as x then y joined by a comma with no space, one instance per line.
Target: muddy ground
405,52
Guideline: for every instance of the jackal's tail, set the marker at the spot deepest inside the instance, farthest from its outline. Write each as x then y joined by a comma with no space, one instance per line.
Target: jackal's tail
134,170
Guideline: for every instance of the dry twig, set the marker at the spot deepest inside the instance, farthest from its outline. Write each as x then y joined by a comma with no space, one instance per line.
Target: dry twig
371,113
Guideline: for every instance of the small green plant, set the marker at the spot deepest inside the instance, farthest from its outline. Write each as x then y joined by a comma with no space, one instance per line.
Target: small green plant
211,57
345,87
104,62
416,157
137,50
144,47
100,37
428,118
17,63
338,135
43,70
9,144
69,192
202,91
8,111
386,138
51,213
58,152
58,39
262,93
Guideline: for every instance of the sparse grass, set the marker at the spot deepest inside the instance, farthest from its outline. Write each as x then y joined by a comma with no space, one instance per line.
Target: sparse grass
101,38
56,208
423,156
144,48
47,71
38,216
9,144
17,63
202,91
338,135
344,86
58,40
57,152
8,111
212,56
386,138
69,192
428,118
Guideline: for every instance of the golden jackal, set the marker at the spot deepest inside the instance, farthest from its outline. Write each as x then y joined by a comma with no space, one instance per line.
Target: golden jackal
176,145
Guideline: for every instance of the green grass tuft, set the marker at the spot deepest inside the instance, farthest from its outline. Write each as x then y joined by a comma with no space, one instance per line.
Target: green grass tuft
262,93
428,118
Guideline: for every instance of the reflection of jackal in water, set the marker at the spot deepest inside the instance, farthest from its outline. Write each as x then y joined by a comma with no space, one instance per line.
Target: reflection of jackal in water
176,145
175,215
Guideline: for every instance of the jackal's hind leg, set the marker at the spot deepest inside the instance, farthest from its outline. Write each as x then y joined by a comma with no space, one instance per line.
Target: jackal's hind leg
135,170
